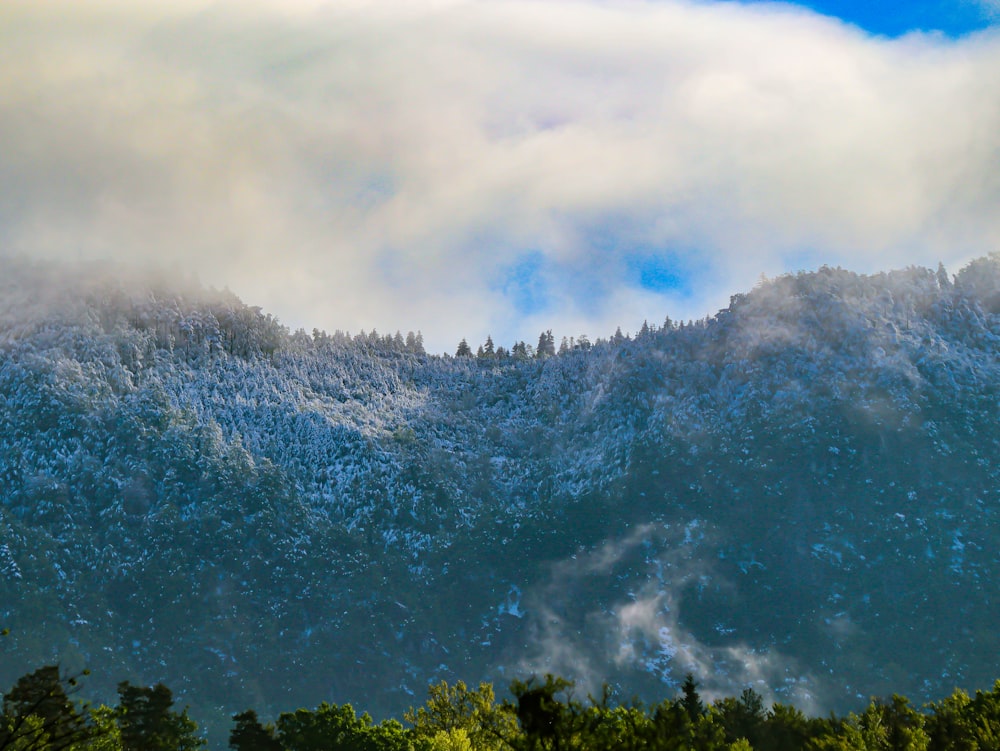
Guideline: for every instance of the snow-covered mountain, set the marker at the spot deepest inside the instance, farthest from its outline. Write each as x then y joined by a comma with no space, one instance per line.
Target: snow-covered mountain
800,493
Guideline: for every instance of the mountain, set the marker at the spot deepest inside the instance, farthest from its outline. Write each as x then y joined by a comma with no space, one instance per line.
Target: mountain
799,494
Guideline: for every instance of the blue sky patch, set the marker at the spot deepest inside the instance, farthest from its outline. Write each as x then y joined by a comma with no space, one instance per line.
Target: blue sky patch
951,17
524,284
656,273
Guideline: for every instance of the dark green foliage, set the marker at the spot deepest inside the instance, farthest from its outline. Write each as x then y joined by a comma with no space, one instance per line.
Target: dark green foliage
743,717
543,715
337,728
38,713
691,700
607,725
884,726
672,728
249,734
788,729
960,723
547,721
148,721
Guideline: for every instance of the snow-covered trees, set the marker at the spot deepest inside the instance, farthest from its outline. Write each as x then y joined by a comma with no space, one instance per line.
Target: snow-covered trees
165,453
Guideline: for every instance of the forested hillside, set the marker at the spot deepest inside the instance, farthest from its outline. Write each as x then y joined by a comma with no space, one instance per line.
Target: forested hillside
800,492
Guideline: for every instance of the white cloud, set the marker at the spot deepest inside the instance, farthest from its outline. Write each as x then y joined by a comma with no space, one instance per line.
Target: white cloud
353,164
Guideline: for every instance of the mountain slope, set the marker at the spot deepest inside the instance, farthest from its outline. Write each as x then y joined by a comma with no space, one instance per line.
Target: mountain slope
800,490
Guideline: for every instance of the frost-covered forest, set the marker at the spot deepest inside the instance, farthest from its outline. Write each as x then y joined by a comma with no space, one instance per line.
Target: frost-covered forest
800,492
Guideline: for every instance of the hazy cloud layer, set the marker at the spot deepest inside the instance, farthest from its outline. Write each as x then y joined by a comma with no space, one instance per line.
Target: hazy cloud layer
475,166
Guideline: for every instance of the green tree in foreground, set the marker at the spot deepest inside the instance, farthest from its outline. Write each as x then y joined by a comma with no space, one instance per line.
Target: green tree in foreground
959,723
250,735
107,736
39,715
786,728
149,723
547,722
742,718
337,728
884,726
623,728
456,716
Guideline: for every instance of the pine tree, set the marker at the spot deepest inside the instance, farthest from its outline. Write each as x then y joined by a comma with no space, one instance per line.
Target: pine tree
942,276
546,345
415,343
690,700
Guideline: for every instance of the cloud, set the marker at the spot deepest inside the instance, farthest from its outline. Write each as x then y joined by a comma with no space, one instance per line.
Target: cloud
504,166
642,632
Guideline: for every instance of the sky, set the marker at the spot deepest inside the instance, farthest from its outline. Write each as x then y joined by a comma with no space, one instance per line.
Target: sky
503,167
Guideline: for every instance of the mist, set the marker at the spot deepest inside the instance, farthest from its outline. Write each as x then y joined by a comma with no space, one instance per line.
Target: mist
643,634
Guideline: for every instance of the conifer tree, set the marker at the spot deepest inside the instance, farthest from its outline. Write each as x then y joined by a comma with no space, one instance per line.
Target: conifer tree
691,700
546,345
